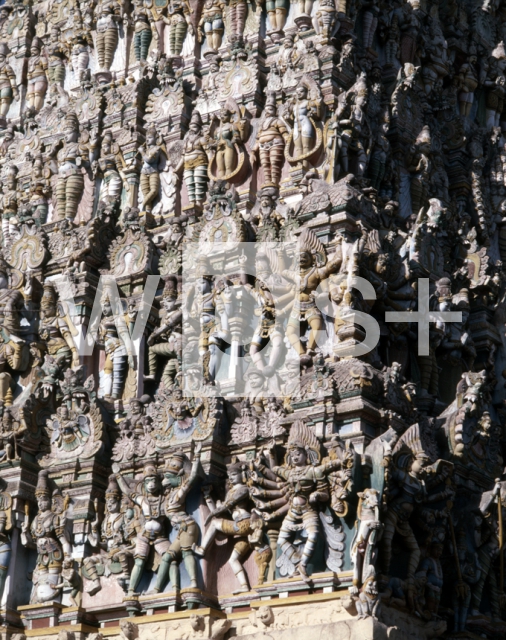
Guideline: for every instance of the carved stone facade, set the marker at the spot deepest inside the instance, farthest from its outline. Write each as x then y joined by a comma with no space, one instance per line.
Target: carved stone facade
161,476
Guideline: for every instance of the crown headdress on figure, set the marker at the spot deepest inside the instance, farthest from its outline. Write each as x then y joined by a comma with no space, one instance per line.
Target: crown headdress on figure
302,437
150,471
42,488
37,42
176,461
196,118
113,490
4,49
71,122
49,297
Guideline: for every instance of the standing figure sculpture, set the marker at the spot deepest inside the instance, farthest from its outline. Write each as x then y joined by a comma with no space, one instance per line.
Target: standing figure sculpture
8,84
152,153
54,330
194,161
152,531
227,144
314,269
169,349
305,135
111,165
56,58
179,23
114,336
39,190
37,76
143,29
237,12
46,534
107,14
239,527
69,155
110,540
178,483
211,24
270,143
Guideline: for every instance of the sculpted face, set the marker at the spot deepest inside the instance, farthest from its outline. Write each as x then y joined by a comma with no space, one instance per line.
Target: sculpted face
112,504
151,484
44,503
305,259
298,457
235,476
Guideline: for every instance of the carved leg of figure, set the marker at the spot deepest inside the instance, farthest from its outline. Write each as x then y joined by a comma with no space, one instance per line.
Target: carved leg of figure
114,186
190,563
150,187
201,178
136,576
91,569
83,61
189,178
217,34
5,227
241,11
74,187
100,47
120,369
142,40
177,37
107,377
111,43
262,560
4,107
293,335
238,553
216,355
316,324
40,89
277,345
370,23
281,13
5,388
162,575
311,524
276,161
265,161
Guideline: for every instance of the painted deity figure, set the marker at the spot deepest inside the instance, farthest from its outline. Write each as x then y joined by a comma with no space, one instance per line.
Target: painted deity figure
237,503
110,539
57,54
237,13
211,25
107,15
194,161
69,155
143,21
55,331
306,490
8,84
178,482
314,269
270,143
47,534
148,496
303,109
152,154
179,23
37,76
168,349
111,165
114,336
39,190
227,144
